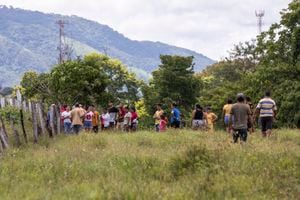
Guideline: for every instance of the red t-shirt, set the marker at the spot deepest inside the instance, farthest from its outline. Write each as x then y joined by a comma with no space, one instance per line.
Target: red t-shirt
134,116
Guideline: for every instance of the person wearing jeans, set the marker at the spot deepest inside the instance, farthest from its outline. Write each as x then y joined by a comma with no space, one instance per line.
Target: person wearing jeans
77,114
66,116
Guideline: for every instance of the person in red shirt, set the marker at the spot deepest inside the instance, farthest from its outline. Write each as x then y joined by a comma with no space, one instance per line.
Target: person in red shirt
134,119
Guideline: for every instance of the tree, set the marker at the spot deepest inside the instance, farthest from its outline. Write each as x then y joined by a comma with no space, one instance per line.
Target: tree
272,63
173,81
96,79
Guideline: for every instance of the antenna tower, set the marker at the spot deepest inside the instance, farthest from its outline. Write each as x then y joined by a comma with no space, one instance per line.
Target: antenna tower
260,14
62,48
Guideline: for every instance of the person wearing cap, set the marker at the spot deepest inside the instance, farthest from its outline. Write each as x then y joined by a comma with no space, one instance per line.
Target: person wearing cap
266,108
239,116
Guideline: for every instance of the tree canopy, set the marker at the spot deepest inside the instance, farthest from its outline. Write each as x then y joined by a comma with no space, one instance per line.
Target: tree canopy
94,79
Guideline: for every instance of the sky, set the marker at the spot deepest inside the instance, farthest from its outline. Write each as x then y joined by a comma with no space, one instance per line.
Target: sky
210,27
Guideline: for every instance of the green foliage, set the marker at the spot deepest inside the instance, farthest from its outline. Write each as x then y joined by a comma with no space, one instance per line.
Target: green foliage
143,165
272,63
10,113
36,86
96,79
174,81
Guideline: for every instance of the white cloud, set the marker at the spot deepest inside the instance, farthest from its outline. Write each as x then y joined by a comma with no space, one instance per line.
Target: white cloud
210,27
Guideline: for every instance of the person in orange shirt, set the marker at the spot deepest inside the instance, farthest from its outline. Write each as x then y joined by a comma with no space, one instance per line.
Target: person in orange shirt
95,119
211,118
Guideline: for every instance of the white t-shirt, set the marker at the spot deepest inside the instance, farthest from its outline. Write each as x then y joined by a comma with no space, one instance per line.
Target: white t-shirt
127,119
89,116
66,116
112,117
106,119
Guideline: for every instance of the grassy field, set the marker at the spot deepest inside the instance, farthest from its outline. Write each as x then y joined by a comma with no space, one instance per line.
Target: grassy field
175,165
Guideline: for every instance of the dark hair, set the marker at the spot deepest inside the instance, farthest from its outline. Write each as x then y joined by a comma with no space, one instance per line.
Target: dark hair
174,104
248,99
163,116
133,108
229,101
159,104
240,98
267,93
198,106
126,107
77,105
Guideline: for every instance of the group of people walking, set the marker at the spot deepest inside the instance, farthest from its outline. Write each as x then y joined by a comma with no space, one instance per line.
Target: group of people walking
239,118
122,118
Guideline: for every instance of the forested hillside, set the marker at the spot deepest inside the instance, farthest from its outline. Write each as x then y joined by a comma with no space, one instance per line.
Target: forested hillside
29,40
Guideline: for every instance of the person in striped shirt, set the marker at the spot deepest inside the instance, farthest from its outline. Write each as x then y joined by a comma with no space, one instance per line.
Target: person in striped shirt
266,108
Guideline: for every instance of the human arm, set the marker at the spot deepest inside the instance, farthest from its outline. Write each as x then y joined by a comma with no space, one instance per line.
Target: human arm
215,118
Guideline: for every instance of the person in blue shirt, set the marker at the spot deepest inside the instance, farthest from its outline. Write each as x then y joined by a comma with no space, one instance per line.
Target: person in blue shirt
175,116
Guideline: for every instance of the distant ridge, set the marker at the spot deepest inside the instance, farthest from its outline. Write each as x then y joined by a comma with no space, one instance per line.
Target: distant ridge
28,41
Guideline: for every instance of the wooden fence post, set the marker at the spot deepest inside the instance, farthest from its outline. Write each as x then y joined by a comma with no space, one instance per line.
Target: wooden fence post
41,118
21,106
52,119
23,126
2,102
58,119
16,133
34,122
3,139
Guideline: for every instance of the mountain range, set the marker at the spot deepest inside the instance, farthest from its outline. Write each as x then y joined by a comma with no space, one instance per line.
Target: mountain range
29,41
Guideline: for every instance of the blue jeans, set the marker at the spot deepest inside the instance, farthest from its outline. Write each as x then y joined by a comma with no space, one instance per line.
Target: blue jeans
157,127
240,133
67,127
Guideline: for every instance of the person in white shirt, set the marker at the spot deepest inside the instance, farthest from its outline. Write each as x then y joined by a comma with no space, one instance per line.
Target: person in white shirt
66,116
105,119
88,118
127,119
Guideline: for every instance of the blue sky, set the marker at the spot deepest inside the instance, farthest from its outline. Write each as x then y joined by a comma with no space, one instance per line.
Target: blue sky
210,27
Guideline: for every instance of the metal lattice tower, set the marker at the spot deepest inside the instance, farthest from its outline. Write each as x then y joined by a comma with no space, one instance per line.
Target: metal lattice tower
259,14
61,47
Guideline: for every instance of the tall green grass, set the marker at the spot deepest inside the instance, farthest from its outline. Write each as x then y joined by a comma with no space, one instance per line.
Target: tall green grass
174,165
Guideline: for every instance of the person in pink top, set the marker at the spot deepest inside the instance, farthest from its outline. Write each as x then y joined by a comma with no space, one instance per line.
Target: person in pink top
88,117
163,123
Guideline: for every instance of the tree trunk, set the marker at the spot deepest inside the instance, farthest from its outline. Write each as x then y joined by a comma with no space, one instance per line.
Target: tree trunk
34,122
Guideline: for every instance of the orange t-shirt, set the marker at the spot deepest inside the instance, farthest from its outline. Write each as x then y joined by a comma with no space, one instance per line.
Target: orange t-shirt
95,119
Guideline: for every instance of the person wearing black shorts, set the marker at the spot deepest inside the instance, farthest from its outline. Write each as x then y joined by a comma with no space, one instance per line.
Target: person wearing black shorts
267,112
